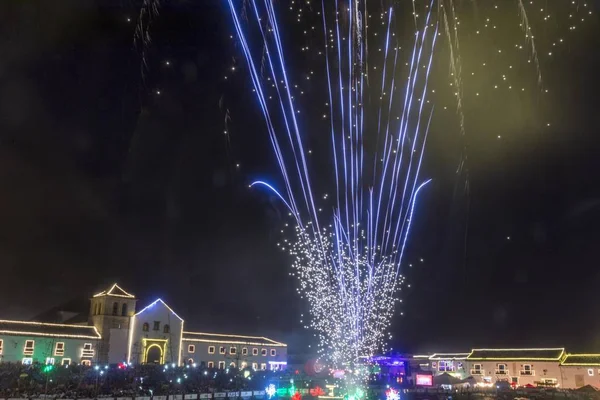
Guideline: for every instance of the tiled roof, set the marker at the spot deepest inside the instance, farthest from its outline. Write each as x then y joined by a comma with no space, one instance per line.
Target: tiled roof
582,359
231,339
547,354
27,328
449,356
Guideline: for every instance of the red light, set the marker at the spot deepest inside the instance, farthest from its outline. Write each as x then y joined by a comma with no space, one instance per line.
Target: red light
424,380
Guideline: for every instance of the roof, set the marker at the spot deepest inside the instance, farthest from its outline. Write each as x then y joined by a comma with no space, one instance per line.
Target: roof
28,328
115,291
539,354
230,339
449,356
582,359
159,301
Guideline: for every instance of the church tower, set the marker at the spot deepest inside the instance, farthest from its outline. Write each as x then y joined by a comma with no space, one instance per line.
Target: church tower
110,312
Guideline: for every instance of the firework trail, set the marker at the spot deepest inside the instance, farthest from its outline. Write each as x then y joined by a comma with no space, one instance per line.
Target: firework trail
347,260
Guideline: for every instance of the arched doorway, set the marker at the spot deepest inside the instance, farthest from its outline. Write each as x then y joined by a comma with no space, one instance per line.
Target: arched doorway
154,354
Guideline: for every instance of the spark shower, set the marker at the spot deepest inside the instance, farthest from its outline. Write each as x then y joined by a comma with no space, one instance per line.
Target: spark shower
349,241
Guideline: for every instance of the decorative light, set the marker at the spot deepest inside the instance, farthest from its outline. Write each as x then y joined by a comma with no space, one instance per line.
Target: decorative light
270,391
392,394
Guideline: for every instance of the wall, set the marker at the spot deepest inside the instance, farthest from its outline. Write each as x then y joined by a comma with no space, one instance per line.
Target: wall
117,348
574,377
542,369
201,354
141,340
13,345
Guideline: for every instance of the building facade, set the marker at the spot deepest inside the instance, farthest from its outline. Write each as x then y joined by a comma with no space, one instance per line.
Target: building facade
116,333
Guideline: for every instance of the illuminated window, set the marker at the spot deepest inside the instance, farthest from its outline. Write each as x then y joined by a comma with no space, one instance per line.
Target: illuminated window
263,352
124,310
166,329
87,363
211,349
1,345
232,350
145,327
156,326
590,372
263,366
190,361
221,364
27,361
232,365
29,346
49,361
210,364
191,348
87,350
65,362
255,366
244,364
255,351
245,351
115,308
222,350
273,352
59,349
447,366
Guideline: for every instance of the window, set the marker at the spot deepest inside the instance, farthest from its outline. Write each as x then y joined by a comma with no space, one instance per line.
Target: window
222,350
273,352
166,328
477,370
210,364
1,345
145,327
221,364
232,350
115,308
65,362
87,363
263,366
447,366
232,365
254,351
590,372
191,348
514,380
211,349
527,370
190,361
27,361
124,310
263,352
87,350
255,366
244,365
501,369
245,351
29,346
59,349
156,326
95,309
49,361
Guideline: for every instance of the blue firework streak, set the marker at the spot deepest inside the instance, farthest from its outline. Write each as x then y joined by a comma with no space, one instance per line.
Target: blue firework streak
347,260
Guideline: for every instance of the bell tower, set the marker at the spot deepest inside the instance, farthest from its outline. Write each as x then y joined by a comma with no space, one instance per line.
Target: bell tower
111,310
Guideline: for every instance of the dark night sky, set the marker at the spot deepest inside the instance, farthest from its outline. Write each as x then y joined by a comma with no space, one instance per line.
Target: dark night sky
103,180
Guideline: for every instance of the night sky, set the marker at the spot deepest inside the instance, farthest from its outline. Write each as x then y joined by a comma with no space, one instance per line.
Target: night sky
113,168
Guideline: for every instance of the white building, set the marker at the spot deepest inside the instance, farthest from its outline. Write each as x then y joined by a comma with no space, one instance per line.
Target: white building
579,370
115,333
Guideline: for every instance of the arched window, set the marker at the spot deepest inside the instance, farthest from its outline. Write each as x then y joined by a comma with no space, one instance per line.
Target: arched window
95,312
145,327
124,309
115,308
166,328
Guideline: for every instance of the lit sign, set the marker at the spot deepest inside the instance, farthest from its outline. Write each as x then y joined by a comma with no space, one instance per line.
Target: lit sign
424,380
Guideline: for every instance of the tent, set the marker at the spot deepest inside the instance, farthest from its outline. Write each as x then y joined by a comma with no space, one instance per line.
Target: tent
446,379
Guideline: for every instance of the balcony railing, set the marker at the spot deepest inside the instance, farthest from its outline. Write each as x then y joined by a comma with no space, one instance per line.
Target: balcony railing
501,372
476,372
527,372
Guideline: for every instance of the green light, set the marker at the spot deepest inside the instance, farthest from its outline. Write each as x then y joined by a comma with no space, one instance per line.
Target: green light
360,393
48,368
